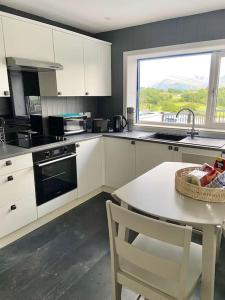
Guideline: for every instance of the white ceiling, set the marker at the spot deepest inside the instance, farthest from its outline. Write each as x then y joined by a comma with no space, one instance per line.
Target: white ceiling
104,15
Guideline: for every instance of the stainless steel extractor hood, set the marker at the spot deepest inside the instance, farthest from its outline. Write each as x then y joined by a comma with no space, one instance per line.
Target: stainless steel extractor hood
22,64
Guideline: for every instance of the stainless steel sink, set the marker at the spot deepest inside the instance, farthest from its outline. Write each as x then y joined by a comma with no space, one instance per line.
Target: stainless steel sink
164,136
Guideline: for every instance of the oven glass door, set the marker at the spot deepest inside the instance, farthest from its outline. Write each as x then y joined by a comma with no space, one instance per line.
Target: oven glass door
55,178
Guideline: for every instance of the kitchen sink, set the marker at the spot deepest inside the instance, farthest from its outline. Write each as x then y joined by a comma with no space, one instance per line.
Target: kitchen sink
164,136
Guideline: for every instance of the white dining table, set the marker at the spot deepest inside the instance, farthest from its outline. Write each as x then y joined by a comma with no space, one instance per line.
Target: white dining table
154,194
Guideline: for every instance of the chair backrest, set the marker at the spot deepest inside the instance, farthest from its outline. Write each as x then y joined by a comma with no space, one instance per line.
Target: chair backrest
166,232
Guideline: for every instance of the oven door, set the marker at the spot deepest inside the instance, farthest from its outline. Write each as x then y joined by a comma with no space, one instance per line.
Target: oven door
55,177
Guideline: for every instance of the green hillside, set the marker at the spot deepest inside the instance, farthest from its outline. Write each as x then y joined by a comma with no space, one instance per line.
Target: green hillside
171,100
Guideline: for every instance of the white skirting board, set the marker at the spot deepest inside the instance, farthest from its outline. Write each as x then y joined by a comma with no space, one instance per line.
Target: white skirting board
51,216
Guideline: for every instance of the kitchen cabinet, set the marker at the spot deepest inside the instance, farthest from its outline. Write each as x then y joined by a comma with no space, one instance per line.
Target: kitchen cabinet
104,69
68,50
149,155
25,39
119,161
4,84
97,68
17,190
198,156
90,162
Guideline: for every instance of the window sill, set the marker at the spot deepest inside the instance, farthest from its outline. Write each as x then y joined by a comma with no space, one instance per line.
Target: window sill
204,132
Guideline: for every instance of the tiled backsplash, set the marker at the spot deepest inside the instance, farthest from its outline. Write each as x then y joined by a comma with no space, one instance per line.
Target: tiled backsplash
58,105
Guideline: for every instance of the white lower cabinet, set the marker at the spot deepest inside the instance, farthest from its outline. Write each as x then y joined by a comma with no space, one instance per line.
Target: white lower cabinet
197,156
149,155
119,161
17,202
90,162
17,214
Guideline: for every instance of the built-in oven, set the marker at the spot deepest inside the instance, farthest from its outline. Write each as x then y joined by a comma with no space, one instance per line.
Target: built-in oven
55,172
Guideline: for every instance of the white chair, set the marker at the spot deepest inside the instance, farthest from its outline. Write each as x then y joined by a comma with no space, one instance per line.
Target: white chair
161,264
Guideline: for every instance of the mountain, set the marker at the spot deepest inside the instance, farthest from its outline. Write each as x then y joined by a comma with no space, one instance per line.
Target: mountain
181,84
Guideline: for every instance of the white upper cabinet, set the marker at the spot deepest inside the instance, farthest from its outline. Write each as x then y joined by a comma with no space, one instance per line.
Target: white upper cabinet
104,77
69,52
27,40
91,67
4,84
97,66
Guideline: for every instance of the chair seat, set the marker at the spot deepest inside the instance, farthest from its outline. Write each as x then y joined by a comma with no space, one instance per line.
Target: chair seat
172,253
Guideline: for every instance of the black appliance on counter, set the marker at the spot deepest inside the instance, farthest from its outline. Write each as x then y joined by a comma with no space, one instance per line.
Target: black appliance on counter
55,172
119,123
66,124
97,125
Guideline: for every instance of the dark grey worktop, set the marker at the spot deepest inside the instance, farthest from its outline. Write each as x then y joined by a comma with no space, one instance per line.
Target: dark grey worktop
7,151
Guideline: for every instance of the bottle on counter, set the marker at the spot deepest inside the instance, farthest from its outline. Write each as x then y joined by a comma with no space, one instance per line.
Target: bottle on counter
130,118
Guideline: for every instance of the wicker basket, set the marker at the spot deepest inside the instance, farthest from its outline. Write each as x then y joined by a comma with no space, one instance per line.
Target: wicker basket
197,192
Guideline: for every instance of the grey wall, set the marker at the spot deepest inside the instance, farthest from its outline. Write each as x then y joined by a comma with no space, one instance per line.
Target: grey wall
202,27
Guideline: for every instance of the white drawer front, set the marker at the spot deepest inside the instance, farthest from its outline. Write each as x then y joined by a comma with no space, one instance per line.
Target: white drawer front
16,163
24,213
17,186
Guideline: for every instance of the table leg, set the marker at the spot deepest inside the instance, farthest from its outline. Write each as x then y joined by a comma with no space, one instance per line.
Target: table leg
208,261
123,232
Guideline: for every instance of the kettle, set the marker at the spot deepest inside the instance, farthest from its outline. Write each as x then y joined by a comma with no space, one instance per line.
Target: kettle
119,123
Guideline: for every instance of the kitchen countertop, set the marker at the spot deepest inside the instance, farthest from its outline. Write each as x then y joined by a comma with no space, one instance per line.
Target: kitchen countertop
7,151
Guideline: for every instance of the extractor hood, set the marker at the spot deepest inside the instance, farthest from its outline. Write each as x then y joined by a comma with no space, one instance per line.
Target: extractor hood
22,64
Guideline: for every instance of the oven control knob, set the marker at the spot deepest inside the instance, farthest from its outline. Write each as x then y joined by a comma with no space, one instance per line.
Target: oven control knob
65,149
47,154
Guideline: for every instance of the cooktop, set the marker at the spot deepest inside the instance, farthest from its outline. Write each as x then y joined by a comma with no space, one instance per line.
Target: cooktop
25,140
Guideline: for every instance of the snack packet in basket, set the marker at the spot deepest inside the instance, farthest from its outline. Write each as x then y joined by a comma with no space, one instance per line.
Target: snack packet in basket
218,182
200,177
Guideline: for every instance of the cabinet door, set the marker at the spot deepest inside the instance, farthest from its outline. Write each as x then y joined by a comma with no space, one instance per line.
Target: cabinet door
27,40
149,155
90,166
69,52
119,162
4,84
97,63
104,77
91,66
197,156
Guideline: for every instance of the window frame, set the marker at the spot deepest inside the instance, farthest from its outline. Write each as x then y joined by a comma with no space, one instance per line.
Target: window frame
214,74
131,74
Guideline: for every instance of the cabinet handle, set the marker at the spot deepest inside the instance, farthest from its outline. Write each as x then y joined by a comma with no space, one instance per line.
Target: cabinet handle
86,93
6,93
176,149
77,145
8,163
10,178
132,142
13,207
170,148
59,93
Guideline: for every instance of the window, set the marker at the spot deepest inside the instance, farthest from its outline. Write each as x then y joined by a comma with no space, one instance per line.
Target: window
167,84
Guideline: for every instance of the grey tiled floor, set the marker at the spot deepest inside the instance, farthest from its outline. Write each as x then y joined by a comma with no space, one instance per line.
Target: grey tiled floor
68,258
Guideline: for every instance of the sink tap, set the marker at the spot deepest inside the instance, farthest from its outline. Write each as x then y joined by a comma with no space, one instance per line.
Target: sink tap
192,132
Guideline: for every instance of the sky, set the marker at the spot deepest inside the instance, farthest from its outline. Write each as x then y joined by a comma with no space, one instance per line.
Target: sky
197,67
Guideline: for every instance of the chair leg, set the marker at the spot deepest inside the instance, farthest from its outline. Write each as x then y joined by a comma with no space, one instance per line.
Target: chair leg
219,239
116,291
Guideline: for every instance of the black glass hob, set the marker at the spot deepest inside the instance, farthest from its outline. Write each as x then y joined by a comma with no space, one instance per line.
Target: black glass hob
25,140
